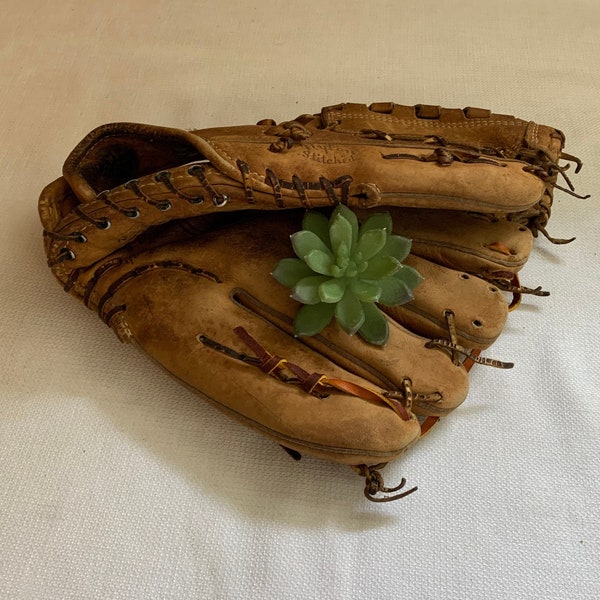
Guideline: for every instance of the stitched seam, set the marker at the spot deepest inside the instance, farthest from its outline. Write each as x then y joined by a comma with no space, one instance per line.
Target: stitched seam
143,269
426,122
536,133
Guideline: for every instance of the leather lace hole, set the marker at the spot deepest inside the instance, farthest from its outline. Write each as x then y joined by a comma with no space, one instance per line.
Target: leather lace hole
104,223
132,213
220,200
66,254
477,323
162,176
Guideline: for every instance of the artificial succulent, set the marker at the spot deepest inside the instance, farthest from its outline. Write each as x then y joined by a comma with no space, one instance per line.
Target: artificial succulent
344,270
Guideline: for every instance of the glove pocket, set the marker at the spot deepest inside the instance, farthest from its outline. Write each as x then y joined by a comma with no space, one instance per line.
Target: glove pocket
187,324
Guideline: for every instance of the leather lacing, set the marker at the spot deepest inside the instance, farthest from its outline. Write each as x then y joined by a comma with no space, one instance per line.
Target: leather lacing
318,384
75,236
548,170
291,132
401,401
432,140
198,170
374,484
131,213
102,223
128,276
321,386
299,186
134,186
446,157
457,350
165,177
540,161
540,164
512,285
288,132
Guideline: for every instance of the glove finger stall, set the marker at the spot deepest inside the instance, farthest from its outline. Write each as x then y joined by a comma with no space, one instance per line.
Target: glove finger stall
474,243
477,307
163,301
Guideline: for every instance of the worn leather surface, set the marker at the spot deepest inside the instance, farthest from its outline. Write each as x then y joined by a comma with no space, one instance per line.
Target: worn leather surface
118,482
171,237
186,282
135,176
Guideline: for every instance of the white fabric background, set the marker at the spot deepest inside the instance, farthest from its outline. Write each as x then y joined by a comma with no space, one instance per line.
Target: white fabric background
116,483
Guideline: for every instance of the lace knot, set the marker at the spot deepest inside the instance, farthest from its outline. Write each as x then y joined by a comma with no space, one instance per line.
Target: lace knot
375,488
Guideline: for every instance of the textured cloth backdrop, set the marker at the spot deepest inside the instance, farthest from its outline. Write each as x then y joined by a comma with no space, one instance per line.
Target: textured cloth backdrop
117,483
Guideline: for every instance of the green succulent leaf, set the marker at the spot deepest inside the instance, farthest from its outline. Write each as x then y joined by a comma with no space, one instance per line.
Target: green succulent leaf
350,217
318,223
394,292
375,329
332,290
313,318
343,271
381,267
349,313
342,254
319,261
410,276
378,221
371,242
307,289
365,291
289,271
340,233
306,241
397,246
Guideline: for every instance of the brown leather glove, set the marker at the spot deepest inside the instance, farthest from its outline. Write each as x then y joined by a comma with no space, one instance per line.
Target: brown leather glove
172,236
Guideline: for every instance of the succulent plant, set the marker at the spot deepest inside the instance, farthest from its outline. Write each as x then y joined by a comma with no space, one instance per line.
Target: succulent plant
344,270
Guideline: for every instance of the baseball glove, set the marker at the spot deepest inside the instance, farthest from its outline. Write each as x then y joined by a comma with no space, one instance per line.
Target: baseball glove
245,259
